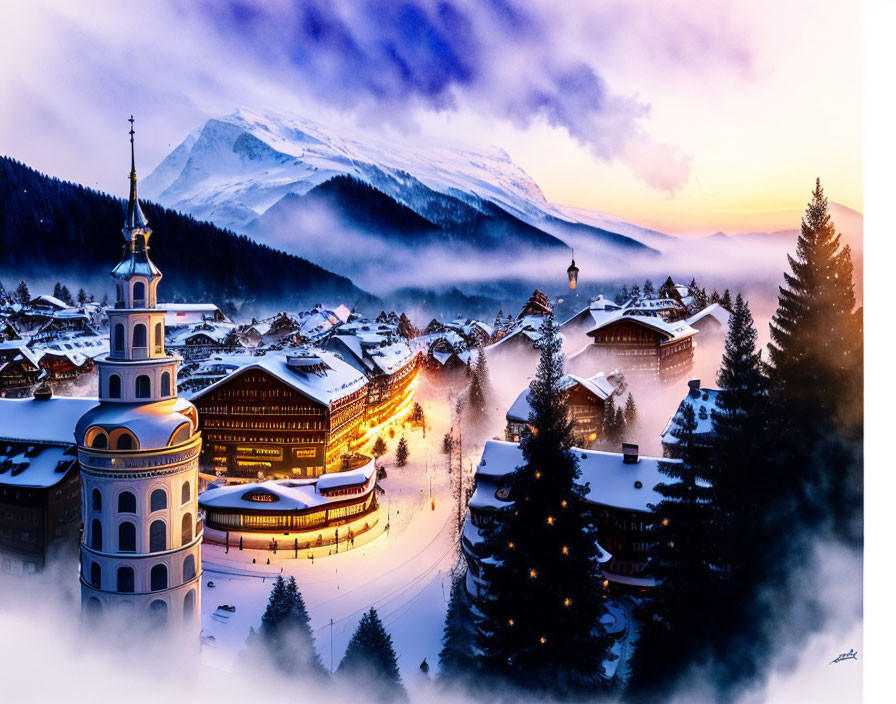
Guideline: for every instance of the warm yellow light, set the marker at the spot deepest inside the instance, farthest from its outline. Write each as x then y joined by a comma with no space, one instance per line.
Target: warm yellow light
606,583
665,521
592,437
565,550
510,622
511,545
542,640
533,574
567,601
550,520
563,503
671,543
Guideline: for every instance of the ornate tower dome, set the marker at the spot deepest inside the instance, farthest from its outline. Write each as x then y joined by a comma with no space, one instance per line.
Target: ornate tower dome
138,450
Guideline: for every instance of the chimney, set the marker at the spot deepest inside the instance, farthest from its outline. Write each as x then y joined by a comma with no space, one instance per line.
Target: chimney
629,453
694,386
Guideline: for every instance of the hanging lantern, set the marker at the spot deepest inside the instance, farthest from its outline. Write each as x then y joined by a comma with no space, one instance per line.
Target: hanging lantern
573,272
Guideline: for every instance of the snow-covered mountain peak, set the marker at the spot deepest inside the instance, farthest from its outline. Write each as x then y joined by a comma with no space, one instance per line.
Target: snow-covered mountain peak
234,168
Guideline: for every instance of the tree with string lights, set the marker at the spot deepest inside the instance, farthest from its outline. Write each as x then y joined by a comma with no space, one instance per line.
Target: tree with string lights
541,625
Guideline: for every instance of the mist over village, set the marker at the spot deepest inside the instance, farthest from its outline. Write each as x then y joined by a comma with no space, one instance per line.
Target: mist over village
432,351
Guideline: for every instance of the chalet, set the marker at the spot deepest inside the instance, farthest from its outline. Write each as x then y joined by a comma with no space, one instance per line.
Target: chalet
281,416
40,487
20,368
645,348
388,362
704,402
668,309
201,340
178,314
712,321
443,352
585,398
576,327
619,489
8,332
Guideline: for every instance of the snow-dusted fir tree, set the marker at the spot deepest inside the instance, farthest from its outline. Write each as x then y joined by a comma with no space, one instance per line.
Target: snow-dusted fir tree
285,638
456,659
746,477
370,660
23,295
816,373
685,560
630,413
402,452
541,629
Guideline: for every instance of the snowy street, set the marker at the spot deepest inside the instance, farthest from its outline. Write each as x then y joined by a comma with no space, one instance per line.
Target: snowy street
404,573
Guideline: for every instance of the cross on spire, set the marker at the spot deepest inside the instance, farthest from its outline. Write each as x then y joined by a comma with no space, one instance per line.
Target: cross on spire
135,217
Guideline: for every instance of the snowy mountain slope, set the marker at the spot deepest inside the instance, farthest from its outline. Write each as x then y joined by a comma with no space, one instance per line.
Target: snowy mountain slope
237,167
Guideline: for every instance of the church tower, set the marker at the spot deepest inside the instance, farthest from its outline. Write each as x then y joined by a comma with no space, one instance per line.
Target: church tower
138,450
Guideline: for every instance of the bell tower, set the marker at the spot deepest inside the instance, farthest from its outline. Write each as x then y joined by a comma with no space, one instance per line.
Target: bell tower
138,450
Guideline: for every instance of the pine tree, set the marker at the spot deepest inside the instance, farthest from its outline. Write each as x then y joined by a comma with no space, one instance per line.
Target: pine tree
66,296
684,560
448,443
610,430
816,374
406,328
57,290
630,413
648,287
82,296
541,627
401,452
636,292
23,295
379,448
619,426
624,295
714,297
725,300
370,659
285,636
456,659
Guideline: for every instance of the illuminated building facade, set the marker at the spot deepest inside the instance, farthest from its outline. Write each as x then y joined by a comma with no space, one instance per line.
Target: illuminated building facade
138,451
282,416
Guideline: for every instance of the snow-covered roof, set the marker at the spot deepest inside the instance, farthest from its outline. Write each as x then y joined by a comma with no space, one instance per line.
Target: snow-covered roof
291,495
599,385
715,310
704,401
51,300
674,331
51,420
153,424
35,465
610,481
337,379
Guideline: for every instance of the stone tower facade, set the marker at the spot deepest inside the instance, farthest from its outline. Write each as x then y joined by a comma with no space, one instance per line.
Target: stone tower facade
138,450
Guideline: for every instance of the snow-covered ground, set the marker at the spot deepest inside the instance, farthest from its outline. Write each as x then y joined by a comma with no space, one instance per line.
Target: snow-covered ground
404,573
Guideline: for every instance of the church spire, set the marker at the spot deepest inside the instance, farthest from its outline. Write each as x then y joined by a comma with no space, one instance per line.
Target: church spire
135,219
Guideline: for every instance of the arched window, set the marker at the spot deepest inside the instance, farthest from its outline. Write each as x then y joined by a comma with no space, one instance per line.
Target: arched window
143,386
158,578
185,493
189,605
125,442
139,336
157,338
139,294
189,568
166,384
96,578
186,529
99,441
181,435
127,537
157,536
119,338
96,500
125,581
96,534
94,609
158,500
127,502
158,613
115,386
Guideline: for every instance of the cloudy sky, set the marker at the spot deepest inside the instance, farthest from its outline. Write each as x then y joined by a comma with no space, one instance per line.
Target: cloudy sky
690,117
